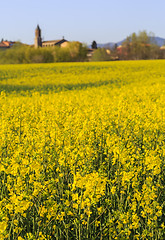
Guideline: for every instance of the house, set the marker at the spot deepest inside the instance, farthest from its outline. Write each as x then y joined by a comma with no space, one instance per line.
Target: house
39,43
119,49
90,53
162,48
6,44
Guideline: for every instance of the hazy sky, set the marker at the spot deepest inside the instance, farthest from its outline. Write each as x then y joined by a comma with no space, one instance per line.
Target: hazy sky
81,20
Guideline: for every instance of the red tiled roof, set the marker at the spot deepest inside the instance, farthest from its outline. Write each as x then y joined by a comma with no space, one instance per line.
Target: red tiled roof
5,44
2,44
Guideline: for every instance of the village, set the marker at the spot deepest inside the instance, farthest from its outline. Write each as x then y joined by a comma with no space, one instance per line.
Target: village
130,48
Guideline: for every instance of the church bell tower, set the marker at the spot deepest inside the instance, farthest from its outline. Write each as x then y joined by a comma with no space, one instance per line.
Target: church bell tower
38,39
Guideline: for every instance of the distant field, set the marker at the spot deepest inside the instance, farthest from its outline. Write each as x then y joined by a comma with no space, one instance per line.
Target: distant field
82,149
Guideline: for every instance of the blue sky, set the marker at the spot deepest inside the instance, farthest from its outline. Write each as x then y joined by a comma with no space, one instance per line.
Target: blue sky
85,21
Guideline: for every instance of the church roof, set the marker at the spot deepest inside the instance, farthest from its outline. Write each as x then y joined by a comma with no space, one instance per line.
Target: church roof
55,41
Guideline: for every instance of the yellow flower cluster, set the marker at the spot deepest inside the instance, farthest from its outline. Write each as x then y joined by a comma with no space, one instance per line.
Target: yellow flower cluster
82,151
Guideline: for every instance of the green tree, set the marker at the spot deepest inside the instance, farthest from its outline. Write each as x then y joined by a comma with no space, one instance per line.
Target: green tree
77,50
100,55
94,45
139,46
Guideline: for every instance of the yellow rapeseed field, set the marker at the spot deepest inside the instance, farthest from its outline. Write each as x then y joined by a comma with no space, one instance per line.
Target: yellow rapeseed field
82,149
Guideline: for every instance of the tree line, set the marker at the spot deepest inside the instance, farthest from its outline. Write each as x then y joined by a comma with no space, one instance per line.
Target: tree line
20,53
139,46
135,47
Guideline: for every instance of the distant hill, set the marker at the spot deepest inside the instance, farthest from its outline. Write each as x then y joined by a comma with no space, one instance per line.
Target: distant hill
157,40
105,45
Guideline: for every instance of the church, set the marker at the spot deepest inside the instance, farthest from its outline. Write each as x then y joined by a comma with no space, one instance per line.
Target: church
39,43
